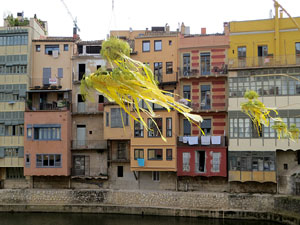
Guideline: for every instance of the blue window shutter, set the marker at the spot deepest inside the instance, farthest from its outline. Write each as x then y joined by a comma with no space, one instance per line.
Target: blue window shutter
60,72
46,75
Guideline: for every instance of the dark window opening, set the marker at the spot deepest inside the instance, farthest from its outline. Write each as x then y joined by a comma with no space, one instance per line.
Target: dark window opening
93,49
201,161
186,127
206,126
120,171
298,156
98,67
101,99
205,97
37,48
169,67
80,49
81,71
285,166
80,98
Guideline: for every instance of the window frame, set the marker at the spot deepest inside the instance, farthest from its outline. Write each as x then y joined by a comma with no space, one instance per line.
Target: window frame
144,46
137,153
44,156
156,153
169,157
138,129
156,48
155,176
155,133
169,128
38,48
66,47
169,67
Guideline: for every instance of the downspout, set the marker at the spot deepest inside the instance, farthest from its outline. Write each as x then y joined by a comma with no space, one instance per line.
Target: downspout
276,26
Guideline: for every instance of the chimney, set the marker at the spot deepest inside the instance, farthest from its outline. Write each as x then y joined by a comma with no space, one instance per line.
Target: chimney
167,27
182,28
20,16
226,28
203,31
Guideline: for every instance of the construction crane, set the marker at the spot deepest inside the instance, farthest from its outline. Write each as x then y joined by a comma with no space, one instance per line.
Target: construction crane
74,20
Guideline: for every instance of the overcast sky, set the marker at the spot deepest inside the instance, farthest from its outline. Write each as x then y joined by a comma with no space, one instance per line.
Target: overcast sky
95,17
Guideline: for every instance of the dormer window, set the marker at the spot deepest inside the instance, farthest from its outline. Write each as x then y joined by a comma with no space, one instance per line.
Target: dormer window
93,49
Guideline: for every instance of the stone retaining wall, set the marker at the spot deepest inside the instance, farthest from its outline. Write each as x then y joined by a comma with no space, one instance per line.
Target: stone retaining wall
223,205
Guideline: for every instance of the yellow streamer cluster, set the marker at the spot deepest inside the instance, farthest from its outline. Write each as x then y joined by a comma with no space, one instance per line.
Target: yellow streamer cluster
129,82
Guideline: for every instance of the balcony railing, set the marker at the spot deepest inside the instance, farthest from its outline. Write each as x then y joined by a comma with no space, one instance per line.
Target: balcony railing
265,61
89,144
208,141
49,106
214,71
87,107
198,107
46,83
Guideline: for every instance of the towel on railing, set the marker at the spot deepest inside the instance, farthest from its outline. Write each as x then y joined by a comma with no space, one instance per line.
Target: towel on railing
205,140
185,139
216,140
193,140
141,162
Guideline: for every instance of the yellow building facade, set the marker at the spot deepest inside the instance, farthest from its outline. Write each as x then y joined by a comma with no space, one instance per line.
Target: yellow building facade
264,57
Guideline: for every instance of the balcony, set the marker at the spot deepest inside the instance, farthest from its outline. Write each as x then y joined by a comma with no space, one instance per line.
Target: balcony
87,108
89,144
196,73
266,61
203,141
213,107
45,83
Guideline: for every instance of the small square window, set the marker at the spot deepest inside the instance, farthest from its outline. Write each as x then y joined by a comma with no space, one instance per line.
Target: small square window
37,48
66,47
90,132
285,166
157,45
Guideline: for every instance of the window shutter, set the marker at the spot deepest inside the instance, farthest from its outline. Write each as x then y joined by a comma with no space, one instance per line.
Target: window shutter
1,152
21,152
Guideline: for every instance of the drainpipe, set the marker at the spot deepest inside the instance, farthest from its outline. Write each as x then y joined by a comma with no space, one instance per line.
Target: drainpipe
276,26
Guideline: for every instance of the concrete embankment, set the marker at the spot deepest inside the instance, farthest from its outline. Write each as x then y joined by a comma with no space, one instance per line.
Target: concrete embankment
284,209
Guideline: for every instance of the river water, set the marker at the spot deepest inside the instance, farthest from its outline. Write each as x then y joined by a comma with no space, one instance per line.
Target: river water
113,219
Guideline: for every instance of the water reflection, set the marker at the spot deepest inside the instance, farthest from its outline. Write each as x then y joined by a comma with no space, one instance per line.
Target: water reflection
112,219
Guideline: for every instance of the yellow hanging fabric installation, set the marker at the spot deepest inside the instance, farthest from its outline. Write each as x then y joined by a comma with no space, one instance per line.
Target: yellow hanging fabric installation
130,82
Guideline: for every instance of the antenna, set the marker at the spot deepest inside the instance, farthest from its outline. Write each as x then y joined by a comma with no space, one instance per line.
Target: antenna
74,20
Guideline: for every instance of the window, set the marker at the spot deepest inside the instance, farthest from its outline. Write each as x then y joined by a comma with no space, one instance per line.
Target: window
216,159
186,64
200,161
47,132
100,99
15,173
37,48
170,42
285,166
66,47
297,45
155,127
60,73
205,63
146,46
48,160
118,117
14,130
107,119
169,127
93,49
187,92
81,71
206,126
121,150
138,154
49,49
155,175
120,171
27,160
157,45
169,67
186,127
138,129
155,154
11,152
242,52
205,97
169,155
186,156
158,71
